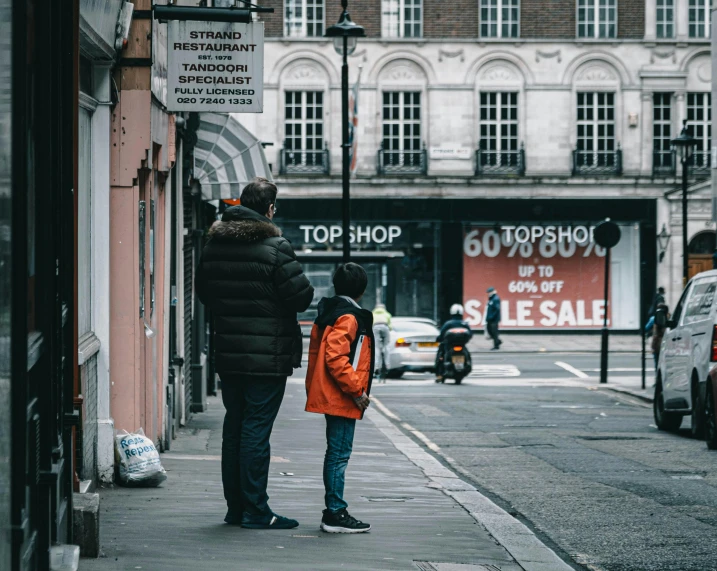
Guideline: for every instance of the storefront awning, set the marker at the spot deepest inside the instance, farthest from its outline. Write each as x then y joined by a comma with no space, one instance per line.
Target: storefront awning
226,157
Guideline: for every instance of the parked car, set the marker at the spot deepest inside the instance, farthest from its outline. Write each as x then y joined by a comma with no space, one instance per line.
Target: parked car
711,410
412,346
688,351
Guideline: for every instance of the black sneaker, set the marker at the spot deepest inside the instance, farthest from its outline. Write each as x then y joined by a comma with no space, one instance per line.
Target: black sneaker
342,522
273,521
233,518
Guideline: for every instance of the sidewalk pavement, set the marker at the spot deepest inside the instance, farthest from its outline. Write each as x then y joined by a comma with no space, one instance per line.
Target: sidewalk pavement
632,386
563,343
423,515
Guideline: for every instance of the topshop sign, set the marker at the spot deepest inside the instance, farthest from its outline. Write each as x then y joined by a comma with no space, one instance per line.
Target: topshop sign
366,234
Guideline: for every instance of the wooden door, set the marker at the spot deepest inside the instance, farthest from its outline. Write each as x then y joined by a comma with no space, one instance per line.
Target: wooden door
697,263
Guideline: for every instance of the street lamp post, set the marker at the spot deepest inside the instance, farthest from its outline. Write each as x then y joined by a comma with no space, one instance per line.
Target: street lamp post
685,146
345,34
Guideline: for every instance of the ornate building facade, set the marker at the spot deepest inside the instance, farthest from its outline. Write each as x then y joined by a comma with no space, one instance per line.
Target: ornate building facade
494,114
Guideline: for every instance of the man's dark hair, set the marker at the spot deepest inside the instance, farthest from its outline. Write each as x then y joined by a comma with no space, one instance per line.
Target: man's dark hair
661,290
351,280
258,195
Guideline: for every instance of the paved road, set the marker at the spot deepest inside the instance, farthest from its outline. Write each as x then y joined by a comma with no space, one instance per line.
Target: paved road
585,468
553,365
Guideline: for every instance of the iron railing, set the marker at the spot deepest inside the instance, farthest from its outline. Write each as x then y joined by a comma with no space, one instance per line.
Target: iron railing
699,164
664,163
500,162
304,162
402,162
597,162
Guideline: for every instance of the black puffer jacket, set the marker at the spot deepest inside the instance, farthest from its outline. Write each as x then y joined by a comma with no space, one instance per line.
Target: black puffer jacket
250,280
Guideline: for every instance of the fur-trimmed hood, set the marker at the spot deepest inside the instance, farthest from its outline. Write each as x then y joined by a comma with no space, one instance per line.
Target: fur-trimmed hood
247,231
241,224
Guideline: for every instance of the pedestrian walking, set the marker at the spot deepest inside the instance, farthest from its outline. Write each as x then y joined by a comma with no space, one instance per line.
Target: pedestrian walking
659,299
658,331
382,334
250,280
338,384
492,318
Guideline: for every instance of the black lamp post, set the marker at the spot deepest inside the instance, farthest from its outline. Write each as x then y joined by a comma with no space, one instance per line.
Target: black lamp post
345,34
685,147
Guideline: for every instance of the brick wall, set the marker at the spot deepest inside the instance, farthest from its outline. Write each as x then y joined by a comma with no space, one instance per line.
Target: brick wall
554,19
456,19
364,12
273,23
630,18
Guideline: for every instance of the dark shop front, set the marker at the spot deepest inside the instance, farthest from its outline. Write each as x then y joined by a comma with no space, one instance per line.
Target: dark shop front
423,255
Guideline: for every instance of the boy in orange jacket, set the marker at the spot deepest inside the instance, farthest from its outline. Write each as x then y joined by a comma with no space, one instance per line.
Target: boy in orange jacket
338,382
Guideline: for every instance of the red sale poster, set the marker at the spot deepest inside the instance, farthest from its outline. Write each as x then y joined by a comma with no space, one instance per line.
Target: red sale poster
547,276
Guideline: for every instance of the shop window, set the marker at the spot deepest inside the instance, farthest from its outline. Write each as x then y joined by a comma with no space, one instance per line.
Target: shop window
597,18
665,18
402,145
699,19
304,148
663,159
596,146
699,119
500,18
401,18
498,148
304,18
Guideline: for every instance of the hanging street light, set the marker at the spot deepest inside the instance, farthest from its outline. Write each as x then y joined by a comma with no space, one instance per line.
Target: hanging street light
663,239
345,34
685,147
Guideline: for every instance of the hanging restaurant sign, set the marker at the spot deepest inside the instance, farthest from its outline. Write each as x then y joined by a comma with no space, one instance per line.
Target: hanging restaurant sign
215,67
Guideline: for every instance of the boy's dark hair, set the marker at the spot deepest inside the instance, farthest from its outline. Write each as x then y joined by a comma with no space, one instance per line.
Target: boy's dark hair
351,280
258,195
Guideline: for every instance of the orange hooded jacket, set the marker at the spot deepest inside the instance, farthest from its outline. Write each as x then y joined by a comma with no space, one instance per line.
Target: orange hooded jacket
336,375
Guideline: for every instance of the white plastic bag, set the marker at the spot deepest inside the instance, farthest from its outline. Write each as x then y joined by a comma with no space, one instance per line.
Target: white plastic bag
138,460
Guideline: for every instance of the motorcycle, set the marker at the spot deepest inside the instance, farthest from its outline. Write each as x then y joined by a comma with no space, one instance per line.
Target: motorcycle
457,362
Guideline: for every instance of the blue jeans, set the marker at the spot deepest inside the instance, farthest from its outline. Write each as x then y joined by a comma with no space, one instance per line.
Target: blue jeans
339,443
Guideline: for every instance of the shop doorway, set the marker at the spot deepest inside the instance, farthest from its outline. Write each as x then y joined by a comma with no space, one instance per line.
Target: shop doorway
385,281
320,274
700,251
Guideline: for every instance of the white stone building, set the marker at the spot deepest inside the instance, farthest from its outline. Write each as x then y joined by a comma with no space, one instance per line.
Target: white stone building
570,130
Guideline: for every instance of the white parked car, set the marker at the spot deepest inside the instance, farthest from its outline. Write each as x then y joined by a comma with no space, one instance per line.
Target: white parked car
412,346
688,351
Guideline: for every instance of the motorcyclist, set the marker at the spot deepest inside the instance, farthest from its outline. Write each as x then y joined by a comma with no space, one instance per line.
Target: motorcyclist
382,333
456,320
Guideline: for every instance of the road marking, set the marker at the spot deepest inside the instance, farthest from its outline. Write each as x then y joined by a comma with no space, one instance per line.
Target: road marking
429,410
516,538
422,437
383,409
623,370
480,371
571,369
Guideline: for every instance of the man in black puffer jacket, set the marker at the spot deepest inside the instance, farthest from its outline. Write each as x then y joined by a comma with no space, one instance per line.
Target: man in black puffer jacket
250,280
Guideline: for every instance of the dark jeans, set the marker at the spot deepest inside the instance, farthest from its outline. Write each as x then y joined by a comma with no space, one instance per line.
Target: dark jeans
252,404
493,332
339,443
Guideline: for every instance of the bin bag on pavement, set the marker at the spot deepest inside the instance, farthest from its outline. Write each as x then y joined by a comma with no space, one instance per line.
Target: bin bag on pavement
137,460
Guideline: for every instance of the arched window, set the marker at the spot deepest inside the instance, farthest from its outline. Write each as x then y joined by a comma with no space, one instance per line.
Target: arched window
703,243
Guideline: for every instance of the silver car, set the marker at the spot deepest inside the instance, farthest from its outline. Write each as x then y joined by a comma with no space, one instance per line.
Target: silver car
412,346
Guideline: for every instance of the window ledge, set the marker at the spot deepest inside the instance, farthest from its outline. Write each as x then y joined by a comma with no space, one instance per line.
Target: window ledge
88,346
682,42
